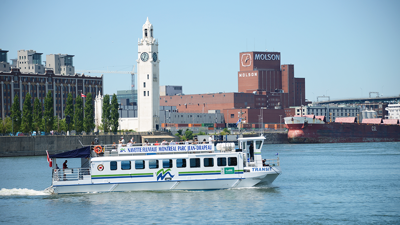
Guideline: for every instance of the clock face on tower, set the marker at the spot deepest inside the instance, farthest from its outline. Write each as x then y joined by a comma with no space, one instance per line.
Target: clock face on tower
144,56
154,57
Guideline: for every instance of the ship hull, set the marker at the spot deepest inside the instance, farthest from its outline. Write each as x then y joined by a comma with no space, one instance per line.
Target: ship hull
342,133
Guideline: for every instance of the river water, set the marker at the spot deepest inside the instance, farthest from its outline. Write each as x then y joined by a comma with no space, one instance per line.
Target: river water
342,183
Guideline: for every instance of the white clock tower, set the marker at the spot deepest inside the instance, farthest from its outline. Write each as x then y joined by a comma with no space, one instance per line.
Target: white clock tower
148,81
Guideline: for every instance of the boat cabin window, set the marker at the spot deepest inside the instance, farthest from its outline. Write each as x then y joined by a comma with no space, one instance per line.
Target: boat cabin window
167,163
221,161
153,164
181,163
195,162
208,162
232,161
113,165
258,144
125,165
139,164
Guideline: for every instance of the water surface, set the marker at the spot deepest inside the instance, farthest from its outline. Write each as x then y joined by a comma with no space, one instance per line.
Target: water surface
340,183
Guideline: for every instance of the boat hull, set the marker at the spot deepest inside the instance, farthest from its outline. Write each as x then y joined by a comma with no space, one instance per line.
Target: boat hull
249,179
342,133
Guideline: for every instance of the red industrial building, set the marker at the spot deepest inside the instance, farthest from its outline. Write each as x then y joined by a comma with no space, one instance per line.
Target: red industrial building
265,88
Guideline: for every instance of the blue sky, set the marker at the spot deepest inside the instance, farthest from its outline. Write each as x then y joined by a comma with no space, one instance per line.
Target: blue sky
344,49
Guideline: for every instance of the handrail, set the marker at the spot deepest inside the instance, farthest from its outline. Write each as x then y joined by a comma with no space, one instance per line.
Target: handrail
70,174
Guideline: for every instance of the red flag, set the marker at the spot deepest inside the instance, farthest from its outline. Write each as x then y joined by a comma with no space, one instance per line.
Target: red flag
49,160
83,96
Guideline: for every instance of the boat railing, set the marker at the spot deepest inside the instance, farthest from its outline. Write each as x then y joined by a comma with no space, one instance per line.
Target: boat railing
271,162
70,174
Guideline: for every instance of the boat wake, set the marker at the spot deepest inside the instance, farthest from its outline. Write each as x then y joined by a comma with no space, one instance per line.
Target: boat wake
22,192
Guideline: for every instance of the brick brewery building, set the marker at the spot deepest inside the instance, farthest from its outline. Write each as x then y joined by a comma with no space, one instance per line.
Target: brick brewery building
265,88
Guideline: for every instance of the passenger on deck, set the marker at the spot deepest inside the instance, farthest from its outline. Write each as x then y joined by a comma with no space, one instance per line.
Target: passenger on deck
156,143
210,140
172,142
186,142
164,142
195,142
204,141
122,141
65,165
114,146
129,144
251,148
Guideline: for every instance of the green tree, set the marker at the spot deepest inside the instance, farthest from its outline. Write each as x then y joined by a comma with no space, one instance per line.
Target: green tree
78,117
5,125
59,124
37,115
106,114
69,111
180,131
16,114
48,112
226,131
188,134
88,121
26,123
114,114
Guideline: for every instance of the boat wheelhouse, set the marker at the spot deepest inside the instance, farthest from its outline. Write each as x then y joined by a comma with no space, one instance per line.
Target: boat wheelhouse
165,167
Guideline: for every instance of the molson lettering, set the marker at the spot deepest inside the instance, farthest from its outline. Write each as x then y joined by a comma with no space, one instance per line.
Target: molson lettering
267,57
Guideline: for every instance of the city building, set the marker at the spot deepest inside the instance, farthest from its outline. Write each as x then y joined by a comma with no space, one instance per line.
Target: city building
265,88
4,65
30,61
169,90
61,64
127,97
38,85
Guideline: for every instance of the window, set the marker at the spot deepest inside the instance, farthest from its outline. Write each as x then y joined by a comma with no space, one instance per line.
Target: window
167,163
148,93
147,76
232,115
208,162
195,162
144,84
181,163
113,165
139,164
221,161
125,165
232,161
144,93
258,144
153,164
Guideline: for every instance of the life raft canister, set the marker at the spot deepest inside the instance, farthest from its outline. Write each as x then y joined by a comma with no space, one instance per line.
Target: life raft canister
98,149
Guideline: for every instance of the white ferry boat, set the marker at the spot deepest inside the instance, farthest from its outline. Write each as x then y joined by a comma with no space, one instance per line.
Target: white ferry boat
165,167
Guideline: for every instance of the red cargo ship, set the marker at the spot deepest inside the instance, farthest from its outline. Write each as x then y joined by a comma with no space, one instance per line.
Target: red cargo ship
314,129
